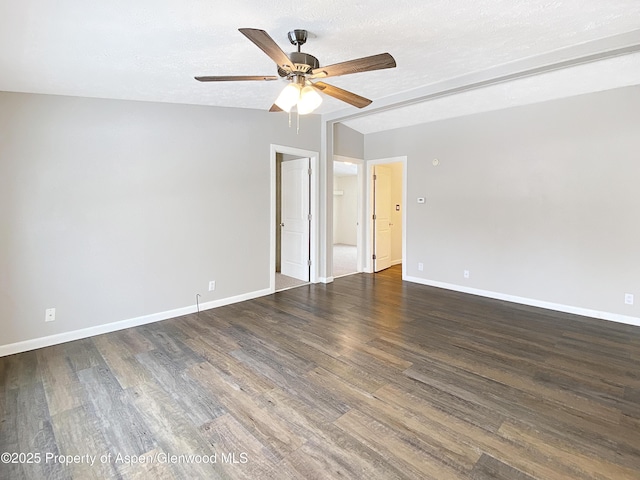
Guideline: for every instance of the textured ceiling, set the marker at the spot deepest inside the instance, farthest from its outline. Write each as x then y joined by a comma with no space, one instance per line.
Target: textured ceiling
150,50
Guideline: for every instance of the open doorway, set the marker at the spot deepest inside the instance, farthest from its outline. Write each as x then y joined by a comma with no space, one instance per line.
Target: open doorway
294,217
346,217
386,209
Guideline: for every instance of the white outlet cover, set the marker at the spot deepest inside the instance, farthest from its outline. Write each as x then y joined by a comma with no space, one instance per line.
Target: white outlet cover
466,274
628,298
420,266
50,315
212,285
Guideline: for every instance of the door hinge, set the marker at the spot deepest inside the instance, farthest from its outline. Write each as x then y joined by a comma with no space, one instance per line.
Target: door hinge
374,216
374,256
309,217
375,177
309,263
309,172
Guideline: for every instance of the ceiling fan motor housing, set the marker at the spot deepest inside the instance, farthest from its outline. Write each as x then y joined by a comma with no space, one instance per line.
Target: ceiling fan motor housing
302,63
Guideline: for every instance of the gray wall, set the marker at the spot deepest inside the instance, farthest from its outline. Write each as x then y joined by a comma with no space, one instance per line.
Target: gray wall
347,142
111,210
540,201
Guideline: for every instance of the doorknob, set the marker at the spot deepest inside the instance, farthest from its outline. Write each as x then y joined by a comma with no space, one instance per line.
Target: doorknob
282,224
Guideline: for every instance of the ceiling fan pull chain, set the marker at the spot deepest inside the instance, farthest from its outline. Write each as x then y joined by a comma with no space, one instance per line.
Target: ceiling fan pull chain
297,122
289,118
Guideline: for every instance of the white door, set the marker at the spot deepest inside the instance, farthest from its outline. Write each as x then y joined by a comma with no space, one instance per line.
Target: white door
295,223
382,217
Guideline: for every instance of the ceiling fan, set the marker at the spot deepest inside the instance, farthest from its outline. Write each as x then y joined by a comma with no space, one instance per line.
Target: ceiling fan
300,69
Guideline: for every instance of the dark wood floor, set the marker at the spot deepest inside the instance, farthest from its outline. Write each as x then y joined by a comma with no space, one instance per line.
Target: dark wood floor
368,377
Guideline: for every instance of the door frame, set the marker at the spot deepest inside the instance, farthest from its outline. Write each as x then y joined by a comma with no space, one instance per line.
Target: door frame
368,259
314,227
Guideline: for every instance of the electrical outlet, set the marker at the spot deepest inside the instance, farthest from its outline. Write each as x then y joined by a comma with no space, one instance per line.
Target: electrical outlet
628,298
420,266
49,314
466,274
212,285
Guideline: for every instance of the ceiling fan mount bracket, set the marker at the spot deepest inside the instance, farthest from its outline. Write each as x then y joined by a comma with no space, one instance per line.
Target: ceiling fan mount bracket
297,37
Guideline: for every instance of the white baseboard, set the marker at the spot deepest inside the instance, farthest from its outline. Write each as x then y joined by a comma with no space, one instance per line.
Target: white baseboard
325,279
41,342
614,317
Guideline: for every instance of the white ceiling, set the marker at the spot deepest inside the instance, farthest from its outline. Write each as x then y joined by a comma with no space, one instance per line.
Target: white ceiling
149,50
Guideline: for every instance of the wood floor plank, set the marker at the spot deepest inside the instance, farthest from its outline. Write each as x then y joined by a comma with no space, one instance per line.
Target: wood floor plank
9,430
330,406
237,375
35,432
328,451
168,339
497,372
60,381
173,432
78,432
404,451
273,432
119,422
198,405
119,356
82,354
208,328
237,449
20,370
576,464
489,468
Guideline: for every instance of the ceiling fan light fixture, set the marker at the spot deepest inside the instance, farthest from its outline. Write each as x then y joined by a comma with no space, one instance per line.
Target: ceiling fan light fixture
309,100
289,96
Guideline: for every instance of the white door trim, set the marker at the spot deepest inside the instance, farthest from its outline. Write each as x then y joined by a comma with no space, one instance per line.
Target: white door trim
314,250
368,201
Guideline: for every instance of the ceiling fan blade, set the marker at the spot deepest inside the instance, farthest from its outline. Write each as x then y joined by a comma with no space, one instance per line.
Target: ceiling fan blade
365,64
344,95
236,78
275,108
268,46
